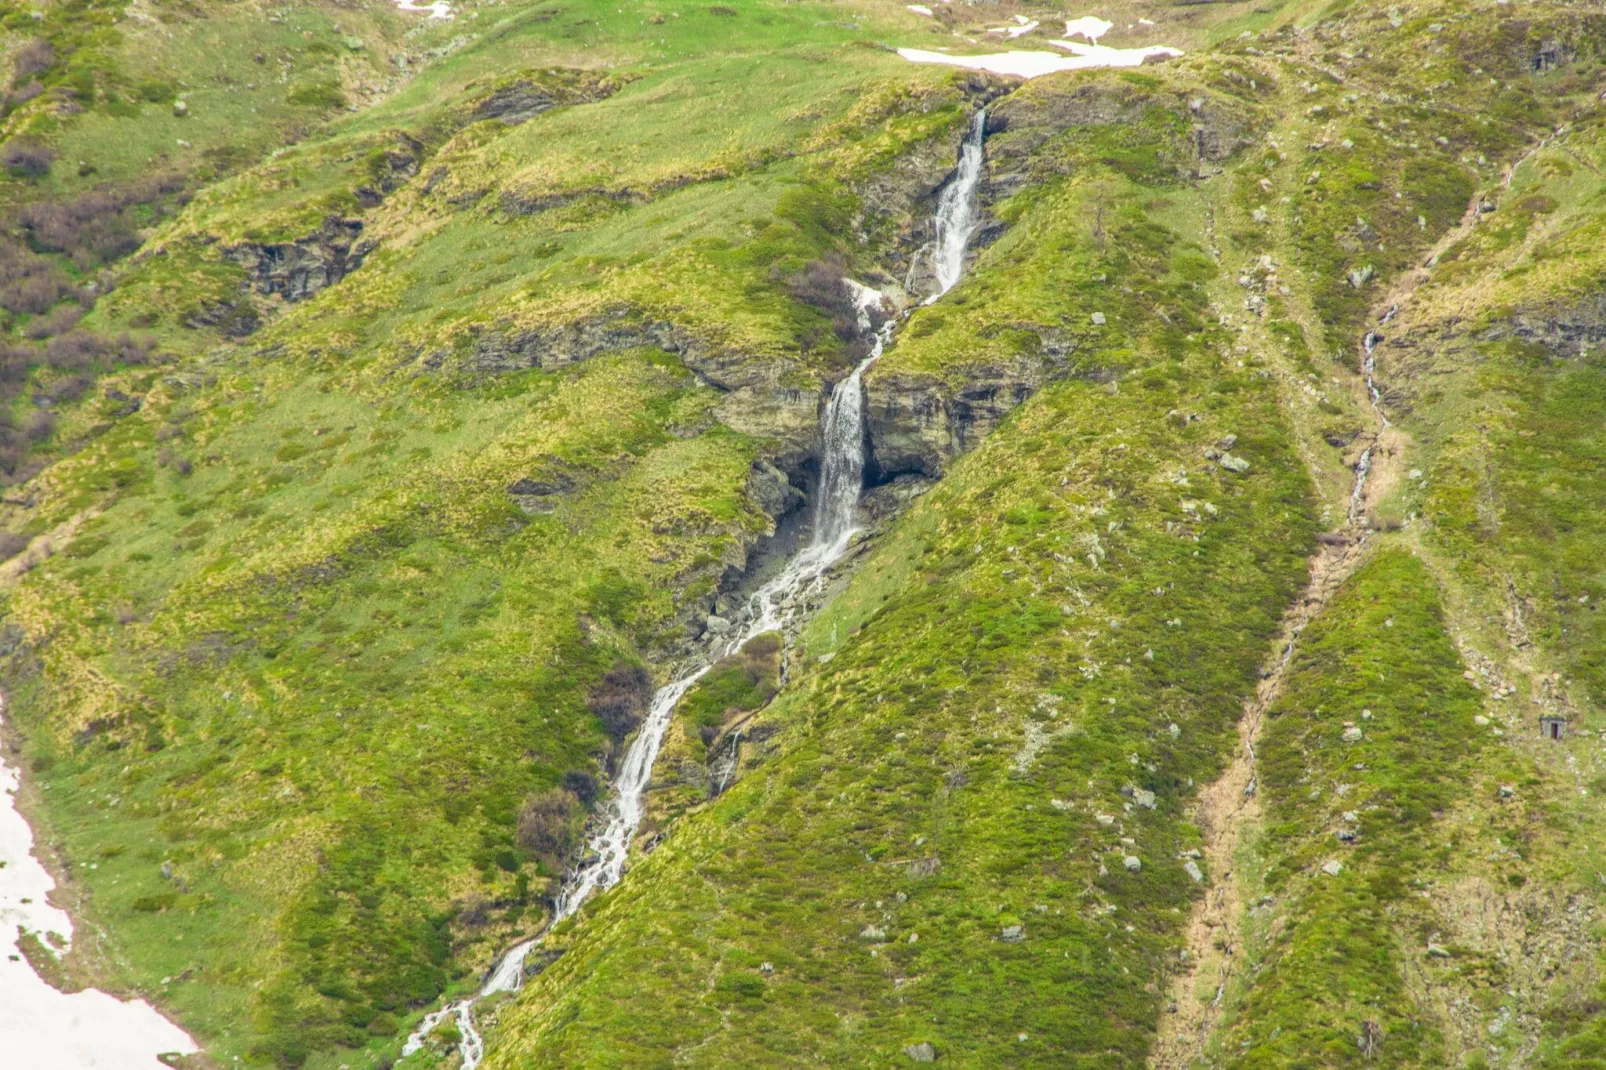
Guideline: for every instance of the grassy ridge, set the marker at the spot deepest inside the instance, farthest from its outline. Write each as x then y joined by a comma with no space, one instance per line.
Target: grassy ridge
1066,624
1333,968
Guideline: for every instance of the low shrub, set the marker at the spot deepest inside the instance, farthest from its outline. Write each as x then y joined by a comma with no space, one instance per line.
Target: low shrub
547,825
621,698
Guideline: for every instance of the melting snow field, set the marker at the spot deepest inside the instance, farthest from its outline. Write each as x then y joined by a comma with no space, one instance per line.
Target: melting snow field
39,1026
439,9
1083,56
1036,64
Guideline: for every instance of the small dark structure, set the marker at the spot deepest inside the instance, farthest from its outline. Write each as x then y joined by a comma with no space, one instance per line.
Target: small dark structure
1552,726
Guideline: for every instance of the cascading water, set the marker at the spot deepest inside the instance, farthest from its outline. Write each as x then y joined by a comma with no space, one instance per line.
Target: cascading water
956,209
775,606
1363,467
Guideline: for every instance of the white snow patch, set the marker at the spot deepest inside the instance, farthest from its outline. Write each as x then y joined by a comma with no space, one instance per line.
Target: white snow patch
1089,26
920,9
40,1026
1036,64
438,9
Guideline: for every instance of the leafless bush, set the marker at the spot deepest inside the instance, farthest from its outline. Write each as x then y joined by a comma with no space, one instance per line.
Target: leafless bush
29,159
582,786
33,58
67,388
77,350
620,699
59,320
12,544
41,425
100,225
547,824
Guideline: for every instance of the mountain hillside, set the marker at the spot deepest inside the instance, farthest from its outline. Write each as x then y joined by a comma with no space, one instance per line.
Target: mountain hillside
567,534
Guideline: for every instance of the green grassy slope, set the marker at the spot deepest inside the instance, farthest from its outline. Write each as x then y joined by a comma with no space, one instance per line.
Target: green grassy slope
1074,616
336,605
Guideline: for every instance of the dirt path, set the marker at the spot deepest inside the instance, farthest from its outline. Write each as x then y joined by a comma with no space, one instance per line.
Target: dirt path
1230,807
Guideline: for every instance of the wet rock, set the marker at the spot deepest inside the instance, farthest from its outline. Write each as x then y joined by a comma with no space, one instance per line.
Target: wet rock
296,270
918,422
921,1053
770,490
716,625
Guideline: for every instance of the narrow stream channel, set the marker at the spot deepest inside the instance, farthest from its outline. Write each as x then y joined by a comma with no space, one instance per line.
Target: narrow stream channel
776,606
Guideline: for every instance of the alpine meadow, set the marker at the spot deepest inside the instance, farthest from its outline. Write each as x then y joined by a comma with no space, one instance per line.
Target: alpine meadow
639,533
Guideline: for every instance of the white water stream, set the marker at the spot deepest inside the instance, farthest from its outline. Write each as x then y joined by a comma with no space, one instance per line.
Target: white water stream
1363,467
39,1026
956,209
777,605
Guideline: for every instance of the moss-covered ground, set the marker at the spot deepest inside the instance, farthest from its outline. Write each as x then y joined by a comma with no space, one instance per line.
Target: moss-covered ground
318,593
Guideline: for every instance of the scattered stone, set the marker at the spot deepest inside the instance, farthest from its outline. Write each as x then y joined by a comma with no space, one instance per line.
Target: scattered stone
1233,464
1192,869
1507,791
1105,819
180,108
1132,863
1332,867
717,625
922,1052
1438,952
1098,319
768,967
1480,720
1143,798
1360,276
1013,934
1352,734
1258,215
873,933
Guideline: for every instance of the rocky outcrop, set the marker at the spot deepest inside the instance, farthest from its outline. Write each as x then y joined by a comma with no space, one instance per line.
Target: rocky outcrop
1207,127
523,98
390,168
296,270
919,421
762,398
1565,331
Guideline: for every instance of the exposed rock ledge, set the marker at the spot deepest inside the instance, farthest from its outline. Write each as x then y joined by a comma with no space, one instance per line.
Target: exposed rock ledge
297,269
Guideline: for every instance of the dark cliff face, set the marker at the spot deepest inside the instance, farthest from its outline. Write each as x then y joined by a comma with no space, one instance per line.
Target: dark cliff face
918,422
298,269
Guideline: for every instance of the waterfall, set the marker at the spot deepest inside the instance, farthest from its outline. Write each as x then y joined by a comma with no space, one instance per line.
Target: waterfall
777,605
956,209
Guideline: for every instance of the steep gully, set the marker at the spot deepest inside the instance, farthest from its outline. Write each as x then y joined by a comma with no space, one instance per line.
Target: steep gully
778,605
1229,808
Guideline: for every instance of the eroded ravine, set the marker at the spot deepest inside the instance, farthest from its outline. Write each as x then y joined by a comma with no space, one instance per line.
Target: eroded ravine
778,605
1228,809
